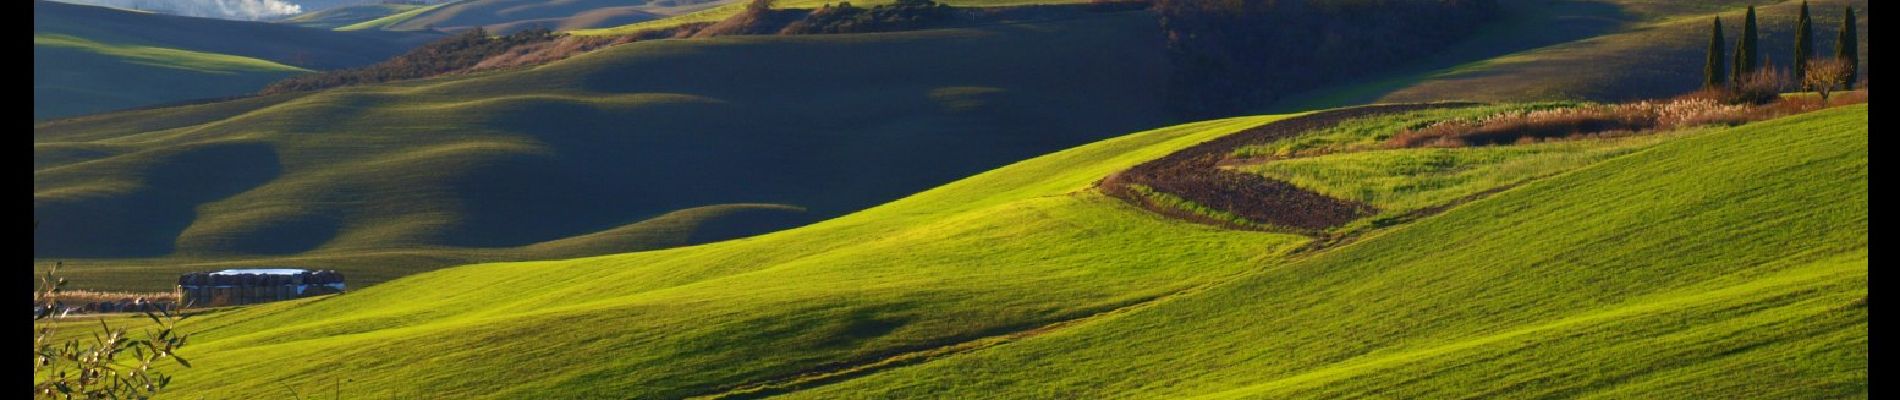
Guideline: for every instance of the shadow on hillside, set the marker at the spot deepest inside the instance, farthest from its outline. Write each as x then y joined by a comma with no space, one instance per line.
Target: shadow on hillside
1524,26
171,187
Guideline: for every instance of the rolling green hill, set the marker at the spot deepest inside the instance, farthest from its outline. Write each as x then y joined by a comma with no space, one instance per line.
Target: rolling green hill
1665,273
90,59
1725,252
945,248
389,179
624,115
347,15
504,16
74,75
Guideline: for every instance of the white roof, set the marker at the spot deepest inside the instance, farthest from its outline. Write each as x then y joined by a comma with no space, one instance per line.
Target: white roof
261,271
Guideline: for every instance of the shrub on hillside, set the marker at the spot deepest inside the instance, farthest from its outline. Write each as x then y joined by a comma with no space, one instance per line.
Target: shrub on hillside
1591,121
846,18
453,54
543,52
1763,86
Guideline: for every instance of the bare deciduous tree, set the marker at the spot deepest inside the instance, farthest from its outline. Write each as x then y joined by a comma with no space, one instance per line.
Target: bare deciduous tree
1825,74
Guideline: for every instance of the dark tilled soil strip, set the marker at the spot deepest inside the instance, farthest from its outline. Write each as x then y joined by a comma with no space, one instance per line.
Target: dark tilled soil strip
1192,174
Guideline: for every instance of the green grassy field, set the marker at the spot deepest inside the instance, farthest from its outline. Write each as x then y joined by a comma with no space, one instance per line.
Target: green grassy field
871,295
1368,133
348,15
1352,161
1410,179
186,60
1664,272
390,179
92,59
77,76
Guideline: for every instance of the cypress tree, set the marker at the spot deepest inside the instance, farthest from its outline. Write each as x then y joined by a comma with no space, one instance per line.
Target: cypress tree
1713,75
1847,48
1737,71
1750,57
1803,43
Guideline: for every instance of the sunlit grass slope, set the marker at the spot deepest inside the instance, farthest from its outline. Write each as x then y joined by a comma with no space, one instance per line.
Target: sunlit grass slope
1411,179
76,76
187,60
1002,251
90,59
1663,273
829,123
1666,272
1724,264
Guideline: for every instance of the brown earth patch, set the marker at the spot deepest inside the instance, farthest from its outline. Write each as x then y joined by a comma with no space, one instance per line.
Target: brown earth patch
1193,174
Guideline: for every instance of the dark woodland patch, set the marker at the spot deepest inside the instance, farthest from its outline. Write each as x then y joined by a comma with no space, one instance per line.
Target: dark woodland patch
1231,57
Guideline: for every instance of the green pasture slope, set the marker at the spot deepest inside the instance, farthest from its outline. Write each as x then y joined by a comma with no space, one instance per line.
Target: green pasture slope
1724,264
90,59
997,252
383,180
74,75
1669,272
1411,179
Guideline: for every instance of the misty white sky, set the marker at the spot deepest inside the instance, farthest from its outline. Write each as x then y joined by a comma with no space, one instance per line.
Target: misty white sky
245,10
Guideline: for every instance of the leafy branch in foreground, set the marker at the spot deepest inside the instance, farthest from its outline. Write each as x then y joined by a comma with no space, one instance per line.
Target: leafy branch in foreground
75,370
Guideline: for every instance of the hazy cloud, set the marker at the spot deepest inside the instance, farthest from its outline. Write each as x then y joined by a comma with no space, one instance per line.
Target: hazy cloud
248,10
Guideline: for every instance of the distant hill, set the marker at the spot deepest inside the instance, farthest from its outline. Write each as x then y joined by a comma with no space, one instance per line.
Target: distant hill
1731,263
504,16
1604,50
90,59
1661,273
347,15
